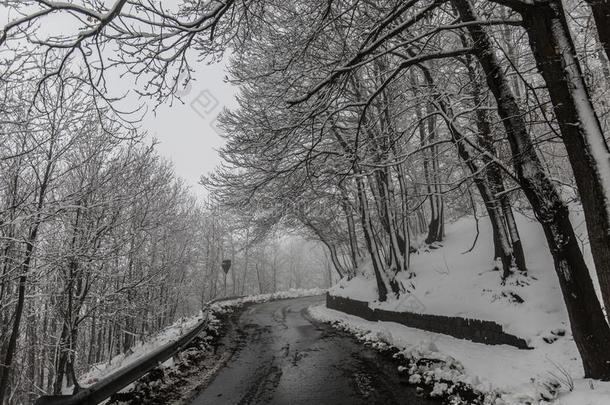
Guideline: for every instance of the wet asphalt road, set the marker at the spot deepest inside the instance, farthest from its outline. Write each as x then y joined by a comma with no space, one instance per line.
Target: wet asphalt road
284,359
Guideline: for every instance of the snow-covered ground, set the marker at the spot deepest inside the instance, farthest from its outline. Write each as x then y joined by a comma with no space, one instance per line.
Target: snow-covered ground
178,329
451,282
260,298
518,376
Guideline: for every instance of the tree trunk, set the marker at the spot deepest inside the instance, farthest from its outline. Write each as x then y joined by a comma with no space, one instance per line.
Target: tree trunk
12,343
351,230
589,328
434,225
580,127
5,367
500,206
515,237
435,228
246,260
384,285
502,247
486,192
258,278
60,367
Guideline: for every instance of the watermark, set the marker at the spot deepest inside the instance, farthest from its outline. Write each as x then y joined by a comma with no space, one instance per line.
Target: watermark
202,102
215,124
185,90
411,303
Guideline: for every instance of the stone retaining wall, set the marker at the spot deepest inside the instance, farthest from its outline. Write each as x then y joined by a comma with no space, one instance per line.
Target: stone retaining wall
474,330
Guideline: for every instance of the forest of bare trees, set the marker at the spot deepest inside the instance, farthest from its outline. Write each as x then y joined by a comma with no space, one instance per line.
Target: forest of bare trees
102,244
401,109
363,125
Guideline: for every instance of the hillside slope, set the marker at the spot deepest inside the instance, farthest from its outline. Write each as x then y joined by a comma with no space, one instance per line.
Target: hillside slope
453,282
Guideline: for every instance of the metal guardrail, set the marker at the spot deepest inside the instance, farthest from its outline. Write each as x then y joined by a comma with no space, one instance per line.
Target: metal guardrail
121,378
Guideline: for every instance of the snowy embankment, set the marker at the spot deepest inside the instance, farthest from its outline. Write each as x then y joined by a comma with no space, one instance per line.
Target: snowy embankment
170,334
260,298
174,332
451,282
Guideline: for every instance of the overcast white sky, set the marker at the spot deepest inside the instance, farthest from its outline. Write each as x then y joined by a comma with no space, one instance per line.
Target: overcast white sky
187,132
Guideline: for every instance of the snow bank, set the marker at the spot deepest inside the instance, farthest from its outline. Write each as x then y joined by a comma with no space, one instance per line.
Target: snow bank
507,375
260,298
453,283
170,334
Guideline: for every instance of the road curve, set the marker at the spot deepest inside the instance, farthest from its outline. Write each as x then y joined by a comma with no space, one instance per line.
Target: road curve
285,359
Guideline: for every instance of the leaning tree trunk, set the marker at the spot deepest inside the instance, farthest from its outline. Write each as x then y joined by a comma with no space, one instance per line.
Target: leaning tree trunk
500,205
589,328
502,247
385,283
401,218
434,225
486,192
505,250
351,231
339,268
378,267
513,231
581,131
382,186
398,249
436,228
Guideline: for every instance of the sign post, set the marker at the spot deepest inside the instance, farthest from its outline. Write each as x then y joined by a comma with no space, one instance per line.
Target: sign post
226,265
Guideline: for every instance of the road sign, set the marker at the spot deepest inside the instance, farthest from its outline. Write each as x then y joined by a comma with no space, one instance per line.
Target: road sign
226,265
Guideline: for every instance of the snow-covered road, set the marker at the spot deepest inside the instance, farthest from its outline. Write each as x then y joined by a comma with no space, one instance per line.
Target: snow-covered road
284,358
